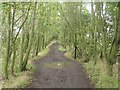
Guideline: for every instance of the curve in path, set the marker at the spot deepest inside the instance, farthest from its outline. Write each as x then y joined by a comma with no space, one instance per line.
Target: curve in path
68,74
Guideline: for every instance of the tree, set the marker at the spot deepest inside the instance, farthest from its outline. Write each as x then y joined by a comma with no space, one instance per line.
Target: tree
8,44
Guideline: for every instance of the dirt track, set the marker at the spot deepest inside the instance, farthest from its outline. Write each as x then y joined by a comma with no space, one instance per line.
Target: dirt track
68,74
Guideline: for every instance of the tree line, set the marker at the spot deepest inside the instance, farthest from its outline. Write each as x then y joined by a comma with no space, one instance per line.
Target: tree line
92,34
28,27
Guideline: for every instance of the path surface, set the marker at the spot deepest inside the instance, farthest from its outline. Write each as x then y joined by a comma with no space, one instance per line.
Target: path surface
69,76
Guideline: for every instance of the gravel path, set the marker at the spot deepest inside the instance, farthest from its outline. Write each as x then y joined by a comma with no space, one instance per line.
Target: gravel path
56,71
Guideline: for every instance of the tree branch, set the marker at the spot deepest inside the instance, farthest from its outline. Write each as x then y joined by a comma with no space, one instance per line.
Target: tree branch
22,23
19,18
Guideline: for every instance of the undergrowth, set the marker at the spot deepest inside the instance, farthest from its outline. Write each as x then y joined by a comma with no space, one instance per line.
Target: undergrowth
23,79
97,73
19,81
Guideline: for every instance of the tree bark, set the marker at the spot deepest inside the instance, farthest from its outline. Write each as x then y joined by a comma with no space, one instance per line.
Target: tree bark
30,41
8,45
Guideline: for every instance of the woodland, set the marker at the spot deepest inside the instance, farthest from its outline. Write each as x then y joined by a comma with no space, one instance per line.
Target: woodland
89,33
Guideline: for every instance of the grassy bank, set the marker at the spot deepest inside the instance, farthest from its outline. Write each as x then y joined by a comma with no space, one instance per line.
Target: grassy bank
97,73
23,79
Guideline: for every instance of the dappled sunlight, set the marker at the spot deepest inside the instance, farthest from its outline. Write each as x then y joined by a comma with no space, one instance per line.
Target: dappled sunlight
57,65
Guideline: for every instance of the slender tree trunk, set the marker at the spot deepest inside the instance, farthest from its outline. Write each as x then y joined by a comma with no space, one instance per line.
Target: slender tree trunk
8,45
13,59
43,41
37,46
22,43
112,57
13,42
75,46
30,41
93,44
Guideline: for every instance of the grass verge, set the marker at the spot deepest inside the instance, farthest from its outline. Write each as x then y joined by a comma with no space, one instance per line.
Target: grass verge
97,73
23,79
20,81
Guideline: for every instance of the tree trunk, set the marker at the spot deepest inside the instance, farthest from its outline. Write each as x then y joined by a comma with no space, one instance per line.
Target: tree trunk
22,43
75,46
8,45
112,56
30,41
37,46
13,42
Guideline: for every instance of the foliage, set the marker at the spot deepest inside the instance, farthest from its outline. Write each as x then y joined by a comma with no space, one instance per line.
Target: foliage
23,79
62,49
90,35
98,75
